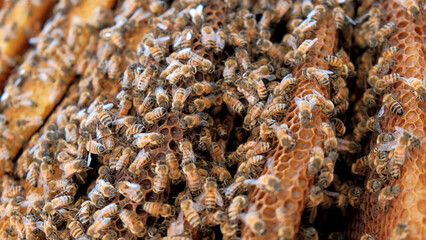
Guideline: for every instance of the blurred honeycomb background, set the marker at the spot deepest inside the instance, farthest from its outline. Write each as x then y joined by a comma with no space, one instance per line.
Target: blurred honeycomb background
201,119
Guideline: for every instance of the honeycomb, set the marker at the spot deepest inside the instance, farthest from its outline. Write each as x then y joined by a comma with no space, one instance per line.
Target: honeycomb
408,207
89,125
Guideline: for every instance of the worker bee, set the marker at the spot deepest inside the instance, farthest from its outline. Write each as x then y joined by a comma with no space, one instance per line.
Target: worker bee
220,41
30,226
316,160
143,79
285,137
386,195
250,119
207,102
267,47
190,211
110,210
158,209
373,124
400,232
383,33
192,177
150,139
243,59
419,88
98,225
330,143
195,120
173,164
238,204
208,37
317,74
211,196
411,7
392,105
339,126
162,97
183,39
160,179
268,182
204,87
76,229
131,190
390,53
287,84
33,173
307,7
374,185
185,147
305,109
301,52
369,98
369,236
155,115
179,73
135,128
240,39
333,61
317,13
94,147
234,105
141,160
103,116
84,213
73,167
153,47
132,222
64,185
197,15
253,220
146,105
106,188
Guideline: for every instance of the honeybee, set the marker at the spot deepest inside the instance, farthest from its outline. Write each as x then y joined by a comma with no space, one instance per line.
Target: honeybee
146,105
390,53
132,222
183,39
98,225
155,115
386,195
267,47
253,220
270,183
305,109
400,232
33,173
411,7
143,79
317,13
61,202
158,209
151,139
369,236
106,188
369,98
160,179
307,7
315,162
110,210
250,119
73,167
285,137
208,37
76,229
237,205
179,73
131,190
301,52
327,106
333,61
339,126
173,164
65,185
185,147
141,160
287,84
220,41
374,185
195,120
29,222
392,105
319,75
302,29
190,211
17,222
373,124
383,33
84,213
210,196
330,143
234,105
197,15
152,47
243,59
192,178
419,87
207,102
94,147
162,97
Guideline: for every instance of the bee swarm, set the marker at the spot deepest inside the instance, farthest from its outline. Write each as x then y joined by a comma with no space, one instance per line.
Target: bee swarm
201,119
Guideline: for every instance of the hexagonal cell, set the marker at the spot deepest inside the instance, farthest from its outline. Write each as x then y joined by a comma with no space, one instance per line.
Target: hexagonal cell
306,134
268,212
411,116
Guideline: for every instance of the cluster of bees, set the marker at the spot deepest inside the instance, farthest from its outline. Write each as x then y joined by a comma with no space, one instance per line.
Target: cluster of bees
187,67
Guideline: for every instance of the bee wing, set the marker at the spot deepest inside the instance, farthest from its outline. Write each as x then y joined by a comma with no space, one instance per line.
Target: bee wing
287,76
200,9
268,77
108,106
381,111
325,71
318,94
176,227
161,26
198,207
292,42
361,19
146,51
219,199
250,181
350,20
388,146
298,100
341,1
188,91
40,225
192,12
204,36
89,159
400,130
311,44
188,35
312,102
200,197
178,40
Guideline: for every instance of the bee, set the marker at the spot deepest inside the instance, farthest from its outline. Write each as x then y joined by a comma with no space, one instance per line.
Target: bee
239,39
132,222
208,37
327,106
216,153
173,164
192,177
160,179
316,160
143,79
383,33
411,7
94,147
268,182
146,105
333,61
110,235
373,124
98,225
390,53
255,223
179,73
150,139
73,167
64,185
220,41
76,229
369,98
33,173
285,137
374,185
185,147
190,211
339,126
341,108
307,7
234,105
110,210
195,120
251,118
135,128
386,195
106,188
162,97
157,209
243,58
29,222
287,84
301,52
141,160
114,66
238,203
221,130
330,143
16,221
392,105
183,39
71,133
197,16
207,102
400,232
152,47
103,116
61,202
155,115
84,213
305,110
211,195
204,87
419,88
131,190
266,46
369,236
319,75
317,13
202,64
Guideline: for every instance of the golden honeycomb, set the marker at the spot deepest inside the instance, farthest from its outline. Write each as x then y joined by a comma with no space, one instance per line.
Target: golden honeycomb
74,124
